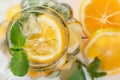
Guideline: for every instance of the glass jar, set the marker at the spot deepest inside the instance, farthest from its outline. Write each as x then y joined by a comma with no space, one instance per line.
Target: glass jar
29,26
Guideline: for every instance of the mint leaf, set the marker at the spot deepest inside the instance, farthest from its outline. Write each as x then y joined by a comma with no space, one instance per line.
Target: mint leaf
16,36
93,69
99,74
15,49
94,66
78,75
19,63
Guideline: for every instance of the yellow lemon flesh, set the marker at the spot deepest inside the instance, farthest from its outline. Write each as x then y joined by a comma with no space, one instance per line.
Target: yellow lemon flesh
47,45
12,11
3,29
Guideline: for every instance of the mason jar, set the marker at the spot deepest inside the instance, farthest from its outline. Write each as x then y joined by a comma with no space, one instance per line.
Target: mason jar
51,43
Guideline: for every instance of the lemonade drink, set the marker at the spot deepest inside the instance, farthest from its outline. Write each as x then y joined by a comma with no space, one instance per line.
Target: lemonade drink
42,34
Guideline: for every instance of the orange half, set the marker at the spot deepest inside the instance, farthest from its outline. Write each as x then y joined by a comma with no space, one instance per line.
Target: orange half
98,14
104,44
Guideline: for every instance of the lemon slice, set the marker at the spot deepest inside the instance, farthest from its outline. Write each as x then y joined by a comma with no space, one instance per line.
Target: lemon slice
104,44
47,45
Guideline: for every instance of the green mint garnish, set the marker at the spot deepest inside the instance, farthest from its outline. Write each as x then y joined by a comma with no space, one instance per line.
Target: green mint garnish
78,75
19,63
92,69
16,37
15,49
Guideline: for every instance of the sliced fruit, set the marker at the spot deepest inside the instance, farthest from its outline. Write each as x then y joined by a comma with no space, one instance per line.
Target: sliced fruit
3,29
47,45
104,44
12,11
59,65
97,14
35,74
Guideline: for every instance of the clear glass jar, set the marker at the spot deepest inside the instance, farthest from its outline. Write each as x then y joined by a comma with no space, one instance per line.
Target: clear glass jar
71,41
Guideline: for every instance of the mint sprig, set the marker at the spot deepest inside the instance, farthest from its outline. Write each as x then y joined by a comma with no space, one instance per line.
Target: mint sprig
92,69
16,37
78,75
19,63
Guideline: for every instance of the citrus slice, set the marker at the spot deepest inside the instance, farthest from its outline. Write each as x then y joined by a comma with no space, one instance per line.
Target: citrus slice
47,45
3,29
97,14
12,11
104,44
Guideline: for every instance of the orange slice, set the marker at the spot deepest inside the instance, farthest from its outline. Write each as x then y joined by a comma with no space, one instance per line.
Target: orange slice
97,14
104,44
47,45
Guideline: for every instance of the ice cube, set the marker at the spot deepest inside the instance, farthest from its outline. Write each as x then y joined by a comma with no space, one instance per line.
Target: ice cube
30,25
